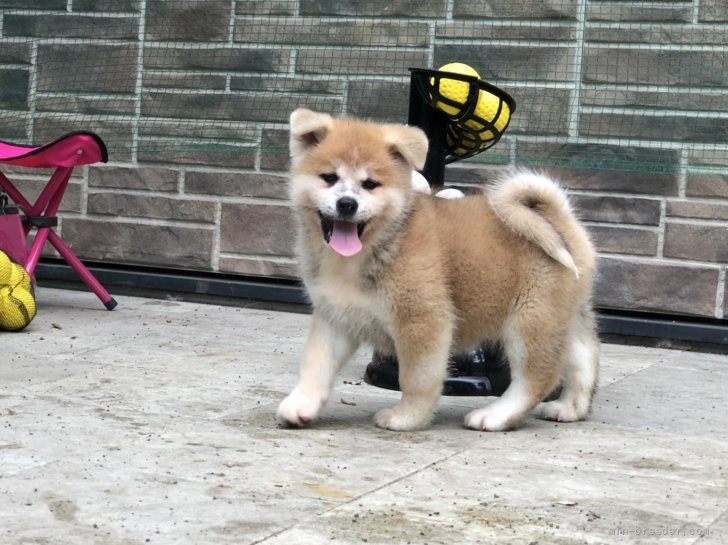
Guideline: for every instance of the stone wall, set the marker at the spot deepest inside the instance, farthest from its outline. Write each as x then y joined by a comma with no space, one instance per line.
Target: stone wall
627,102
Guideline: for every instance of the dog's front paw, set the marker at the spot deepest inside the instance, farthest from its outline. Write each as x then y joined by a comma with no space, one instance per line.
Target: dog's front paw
299,409
560,411
399,419
488,419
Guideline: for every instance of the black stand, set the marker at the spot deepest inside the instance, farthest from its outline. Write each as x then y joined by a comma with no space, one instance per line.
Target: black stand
483,371
424,116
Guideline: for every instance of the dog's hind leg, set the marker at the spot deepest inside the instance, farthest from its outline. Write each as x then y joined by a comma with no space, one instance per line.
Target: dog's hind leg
534,357
580,374
325,352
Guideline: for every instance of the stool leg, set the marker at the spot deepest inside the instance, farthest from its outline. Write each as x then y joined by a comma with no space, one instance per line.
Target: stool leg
88,278
47,204
49,200
34,255
52,194
13,193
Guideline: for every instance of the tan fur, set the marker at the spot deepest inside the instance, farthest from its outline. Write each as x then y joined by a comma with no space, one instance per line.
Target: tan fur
438,276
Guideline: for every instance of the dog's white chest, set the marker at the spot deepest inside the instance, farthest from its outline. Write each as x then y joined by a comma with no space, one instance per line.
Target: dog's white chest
358,312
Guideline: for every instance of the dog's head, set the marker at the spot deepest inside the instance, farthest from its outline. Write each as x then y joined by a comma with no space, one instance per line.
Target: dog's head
352,177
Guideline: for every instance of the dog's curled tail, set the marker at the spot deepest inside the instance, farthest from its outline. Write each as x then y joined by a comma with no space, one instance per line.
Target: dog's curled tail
535,207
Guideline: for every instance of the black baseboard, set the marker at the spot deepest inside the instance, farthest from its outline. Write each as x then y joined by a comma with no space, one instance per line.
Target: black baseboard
229,290
664,331
614,325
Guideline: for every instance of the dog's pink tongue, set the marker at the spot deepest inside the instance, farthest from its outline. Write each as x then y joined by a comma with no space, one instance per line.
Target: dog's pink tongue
345,238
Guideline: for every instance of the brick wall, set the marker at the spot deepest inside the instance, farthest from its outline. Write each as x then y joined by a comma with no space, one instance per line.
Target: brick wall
626,101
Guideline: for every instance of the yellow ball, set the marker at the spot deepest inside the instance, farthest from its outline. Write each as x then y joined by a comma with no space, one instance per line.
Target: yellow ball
19,277
17,308
12,274
6,269
487,109
466,146
454,89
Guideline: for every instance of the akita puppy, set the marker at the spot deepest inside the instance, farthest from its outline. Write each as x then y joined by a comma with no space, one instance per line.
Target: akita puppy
422,278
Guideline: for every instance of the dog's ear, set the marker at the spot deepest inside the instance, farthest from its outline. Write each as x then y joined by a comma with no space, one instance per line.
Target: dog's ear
408,144
308,129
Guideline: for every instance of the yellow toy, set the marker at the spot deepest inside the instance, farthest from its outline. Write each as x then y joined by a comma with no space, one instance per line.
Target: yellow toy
455,89
17,305
486,108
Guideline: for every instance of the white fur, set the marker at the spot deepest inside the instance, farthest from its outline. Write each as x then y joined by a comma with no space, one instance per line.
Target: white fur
349,185
507,196
498,416
325,352
514,403
580,377
563,256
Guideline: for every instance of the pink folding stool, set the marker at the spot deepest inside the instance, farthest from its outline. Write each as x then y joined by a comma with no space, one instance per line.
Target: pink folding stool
63,155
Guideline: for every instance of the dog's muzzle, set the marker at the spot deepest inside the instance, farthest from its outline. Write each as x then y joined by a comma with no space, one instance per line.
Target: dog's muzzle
343,236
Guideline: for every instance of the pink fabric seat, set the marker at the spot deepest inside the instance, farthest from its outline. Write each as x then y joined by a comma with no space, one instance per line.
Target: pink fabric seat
63,155
70,150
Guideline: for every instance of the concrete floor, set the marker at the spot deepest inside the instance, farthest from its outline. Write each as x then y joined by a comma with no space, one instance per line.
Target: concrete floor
155,423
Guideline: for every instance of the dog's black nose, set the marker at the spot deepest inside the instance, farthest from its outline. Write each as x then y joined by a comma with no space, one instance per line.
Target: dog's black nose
346,206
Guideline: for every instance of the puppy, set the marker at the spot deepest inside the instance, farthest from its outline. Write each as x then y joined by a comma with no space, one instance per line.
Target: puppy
421,277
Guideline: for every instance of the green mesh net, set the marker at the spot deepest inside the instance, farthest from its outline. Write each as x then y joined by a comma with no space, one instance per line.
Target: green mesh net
598,84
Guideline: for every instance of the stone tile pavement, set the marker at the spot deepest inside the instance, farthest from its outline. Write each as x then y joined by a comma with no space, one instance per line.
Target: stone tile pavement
155,423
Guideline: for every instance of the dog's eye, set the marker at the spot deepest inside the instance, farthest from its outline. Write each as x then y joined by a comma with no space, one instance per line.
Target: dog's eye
370,185
330,178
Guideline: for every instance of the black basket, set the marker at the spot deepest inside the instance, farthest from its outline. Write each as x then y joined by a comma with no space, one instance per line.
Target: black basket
467,133
483,371
478,373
